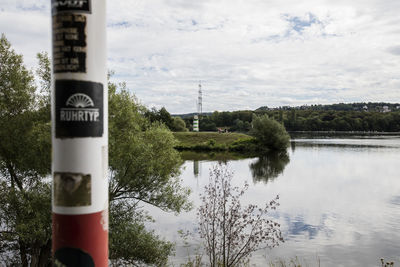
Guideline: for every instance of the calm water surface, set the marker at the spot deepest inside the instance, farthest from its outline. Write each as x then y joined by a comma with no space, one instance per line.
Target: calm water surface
339,201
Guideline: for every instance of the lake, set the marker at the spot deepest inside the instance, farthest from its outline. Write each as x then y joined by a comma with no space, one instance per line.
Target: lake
339,200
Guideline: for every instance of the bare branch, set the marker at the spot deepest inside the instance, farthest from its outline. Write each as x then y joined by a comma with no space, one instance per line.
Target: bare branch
232,232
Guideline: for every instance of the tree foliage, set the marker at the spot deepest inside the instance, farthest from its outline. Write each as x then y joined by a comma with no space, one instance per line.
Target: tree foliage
231,232
336,117
130,242
44,74
144,168
269,133
331,119
16,82
26,225
179,125
25,213
175,124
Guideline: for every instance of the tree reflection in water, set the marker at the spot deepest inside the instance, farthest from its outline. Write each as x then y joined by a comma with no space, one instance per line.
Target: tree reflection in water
269,166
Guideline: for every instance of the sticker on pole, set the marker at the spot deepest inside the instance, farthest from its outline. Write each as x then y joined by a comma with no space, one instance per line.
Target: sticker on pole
72,189
69,43
72,257
81,6
79,109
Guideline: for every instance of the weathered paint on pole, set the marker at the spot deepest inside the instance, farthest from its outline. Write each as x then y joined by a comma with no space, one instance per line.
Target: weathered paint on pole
79,133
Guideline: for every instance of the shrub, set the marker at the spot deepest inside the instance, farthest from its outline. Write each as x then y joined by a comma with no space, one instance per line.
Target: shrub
244,145
178,125
269,133
211,142
232,232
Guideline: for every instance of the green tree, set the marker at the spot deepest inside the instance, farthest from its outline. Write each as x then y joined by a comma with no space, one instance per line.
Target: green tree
130,241
144,168
238,125
245,115
280,119
290,122
166,117
25,212
44,74
269,133
179,125
163,116
206,124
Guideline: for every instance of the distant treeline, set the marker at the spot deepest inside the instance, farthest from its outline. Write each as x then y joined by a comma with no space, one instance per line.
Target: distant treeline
330,120
337,117
238,121
362,106
368,117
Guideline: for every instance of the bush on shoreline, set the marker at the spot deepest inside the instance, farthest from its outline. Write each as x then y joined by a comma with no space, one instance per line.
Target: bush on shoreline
269,134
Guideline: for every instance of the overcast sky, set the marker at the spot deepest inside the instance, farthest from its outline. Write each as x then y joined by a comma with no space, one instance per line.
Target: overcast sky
247,53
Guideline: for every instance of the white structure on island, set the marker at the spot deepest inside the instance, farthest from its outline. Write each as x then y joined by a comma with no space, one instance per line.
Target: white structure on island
196,123
199,110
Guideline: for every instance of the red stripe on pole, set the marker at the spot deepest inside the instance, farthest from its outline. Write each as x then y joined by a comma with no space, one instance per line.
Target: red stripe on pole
86,233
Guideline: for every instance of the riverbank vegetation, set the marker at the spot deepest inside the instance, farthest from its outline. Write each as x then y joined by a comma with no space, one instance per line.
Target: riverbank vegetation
332,120
269,133
308,119
212,141
265,135
144,168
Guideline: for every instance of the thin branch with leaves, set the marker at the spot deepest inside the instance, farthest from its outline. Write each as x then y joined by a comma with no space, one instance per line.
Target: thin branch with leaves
232,232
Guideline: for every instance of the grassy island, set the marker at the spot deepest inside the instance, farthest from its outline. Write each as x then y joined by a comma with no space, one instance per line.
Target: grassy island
213,141
267,134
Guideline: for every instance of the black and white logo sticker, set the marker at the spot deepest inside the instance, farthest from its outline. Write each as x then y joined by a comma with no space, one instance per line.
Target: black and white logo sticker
79,109
81,6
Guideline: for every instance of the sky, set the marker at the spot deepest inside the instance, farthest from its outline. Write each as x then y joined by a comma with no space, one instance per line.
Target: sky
246,53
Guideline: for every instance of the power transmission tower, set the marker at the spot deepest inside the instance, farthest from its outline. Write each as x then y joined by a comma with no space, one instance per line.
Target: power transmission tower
200,101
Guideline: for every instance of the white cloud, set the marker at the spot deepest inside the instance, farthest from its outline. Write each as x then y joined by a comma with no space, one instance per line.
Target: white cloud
247,53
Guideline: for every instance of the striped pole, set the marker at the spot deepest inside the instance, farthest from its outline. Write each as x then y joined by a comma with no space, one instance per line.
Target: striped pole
79,133
196,123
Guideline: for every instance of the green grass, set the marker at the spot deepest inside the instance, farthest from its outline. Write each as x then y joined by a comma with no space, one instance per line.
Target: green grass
200,138
212,141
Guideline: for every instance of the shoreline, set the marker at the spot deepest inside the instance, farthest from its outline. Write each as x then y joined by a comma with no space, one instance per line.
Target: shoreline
241,143
345,132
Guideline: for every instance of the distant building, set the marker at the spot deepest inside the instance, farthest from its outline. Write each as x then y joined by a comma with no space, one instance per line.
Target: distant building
385,109
365,108
304,107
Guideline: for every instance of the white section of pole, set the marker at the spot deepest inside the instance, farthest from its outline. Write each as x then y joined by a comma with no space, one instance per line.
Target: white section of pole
75,153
